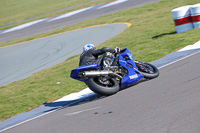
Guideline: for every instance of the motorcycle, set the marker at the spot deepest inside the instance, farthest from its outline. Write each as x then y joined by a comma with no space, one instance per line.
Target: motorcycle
110,79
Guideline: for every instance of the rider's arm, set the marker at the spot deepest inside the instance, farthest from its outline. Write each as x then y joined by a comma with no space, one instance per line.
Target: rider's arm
103,50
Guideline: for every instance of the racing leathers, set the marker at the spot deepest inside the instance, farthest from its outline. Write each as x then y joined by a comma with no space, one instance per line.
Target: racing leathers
91,56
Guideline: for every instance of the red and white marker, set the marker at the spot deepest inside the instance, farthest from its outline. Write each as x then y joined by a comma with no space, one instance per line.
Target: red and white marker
182,19
195,15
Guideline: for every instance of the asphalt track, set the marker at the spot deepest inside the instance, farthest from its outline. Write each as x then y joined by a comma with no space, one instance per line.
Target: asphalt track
74,17
20,61
167,104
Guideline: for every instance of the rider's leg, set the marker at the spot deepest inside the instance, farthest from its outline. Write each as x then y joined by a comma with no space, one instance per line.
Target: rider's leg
107,60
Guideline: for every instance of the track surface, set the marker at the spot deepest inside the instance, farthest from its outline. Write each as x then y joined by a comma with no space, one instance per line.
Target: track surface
167,104
48,24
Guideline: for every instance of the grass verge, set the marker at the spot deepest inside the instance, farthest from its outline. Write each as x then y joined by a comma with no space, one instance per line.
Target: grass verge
151,37
14,12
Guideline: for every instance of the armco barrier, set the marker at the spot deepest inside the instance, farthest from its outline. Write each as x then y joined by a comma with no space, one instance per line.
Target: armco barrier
195,14
186,17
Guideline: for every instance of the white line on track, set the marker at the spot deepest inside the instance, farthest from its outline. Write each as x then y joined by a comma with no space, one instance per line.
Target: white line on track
113,3
70,14
78,112
179,60
189,47
23,26
28,120
40,115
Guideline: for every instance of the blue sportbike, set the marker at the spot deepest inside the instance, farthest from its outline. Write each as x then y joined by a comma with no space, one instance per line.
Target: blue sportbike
109,79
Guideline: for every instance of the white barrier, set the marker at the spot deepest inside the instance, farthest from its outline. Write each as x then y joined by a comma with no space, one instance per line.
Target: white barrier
195,14
186,17
182,19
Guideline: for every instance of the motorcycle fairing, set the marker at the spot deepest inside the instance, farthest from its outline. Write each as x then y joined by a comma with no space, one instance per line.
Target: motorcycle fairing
133,74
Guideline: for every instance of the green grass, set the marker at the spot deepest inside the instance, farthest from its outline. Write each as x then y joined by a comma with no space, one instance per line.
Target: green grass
15,10
151,36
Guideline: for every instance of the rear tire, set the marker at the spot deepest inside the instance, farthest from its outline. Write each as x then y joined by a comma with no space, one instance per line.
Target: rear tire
101,89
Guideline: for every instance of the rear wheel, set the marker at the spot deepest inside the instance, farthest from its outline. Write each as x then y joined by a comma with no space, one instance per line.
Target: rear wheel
103,85
148,70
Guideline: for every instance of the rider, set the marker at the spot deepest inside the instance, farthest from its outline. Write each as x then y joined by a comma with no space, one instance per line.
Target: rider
90,54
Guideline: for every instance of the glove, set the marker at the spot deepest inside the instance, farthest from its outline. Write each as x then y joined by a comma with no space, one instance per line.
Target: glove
117,50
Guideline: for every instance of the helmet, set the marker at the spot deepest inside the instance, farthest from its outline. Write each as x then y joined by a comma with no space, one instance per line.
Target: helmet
88,47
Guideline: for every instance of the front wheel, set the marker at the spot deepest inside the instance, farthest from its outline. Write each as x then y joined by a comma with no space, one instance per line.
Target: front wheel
148,70
103,86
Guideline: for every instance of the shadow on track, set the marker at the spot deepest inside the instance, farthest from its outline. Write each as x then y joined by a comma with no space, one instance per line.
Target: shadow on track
91,98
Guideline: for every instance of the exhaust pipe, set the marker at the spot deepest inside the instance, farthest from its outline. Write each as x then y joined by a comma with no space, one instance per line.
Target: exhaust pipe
100,73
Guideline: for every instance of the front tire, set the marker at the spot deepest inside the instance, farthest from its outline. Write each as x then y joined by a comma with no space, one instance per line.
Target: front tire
102,89
148,70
